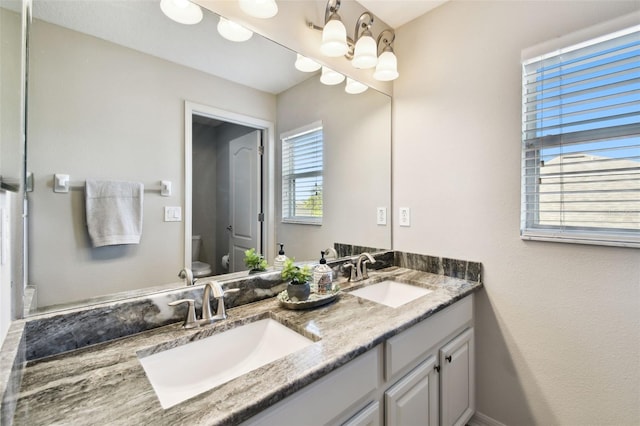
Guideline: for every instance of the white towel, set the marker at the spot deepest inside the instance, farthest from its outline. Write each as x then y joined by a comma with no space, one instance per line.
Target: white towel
114,212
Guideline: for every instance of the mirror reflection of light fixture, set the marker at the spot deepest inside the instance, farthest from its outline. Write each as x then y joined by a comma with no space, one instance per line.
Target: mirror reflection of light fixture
365,54
331,77
305,64
354,87
387,67
232,31
263,9
334,34
182,11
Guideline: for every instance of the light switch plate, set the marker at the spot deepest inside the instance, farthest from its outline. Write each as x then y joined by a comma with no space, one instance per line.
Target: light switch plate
382,216
404,219
172,214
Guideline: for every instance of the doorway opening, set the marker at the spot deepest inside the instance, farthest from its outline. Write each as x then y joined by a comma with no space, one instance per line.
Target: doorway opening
227,190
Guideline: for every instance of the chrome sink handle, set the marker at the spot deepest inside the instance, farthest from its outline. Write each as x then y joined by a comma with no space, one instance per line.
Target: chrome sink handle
190,321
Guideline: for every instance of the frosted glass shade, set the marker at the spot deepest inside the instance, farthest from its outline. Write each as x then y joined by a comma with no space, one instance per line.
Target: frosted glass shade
387,68
232,31
305,64
259,8
331,77
181,11
334,39
354,87
366,53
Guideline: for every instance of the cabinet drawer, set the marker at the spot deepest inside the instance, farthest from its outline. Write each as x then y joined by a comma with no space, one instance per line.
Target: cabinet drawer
368,416
318,403
411,345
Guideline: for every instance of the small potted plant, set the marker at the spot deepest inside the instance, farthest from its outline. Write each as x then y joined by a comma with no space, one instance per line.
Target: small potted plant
298,287
254,261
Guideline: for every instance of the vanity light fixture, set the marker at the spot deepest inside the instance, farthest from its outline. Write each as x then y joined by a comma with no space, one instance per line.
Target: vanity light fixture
387,67
232,31
334,33
305,64
365,52
262,9
331,77
182,11
354,87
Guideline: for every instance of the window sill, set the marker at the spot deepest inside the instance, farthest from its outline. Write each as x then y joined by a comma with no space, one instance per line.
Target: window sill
303,222
591,238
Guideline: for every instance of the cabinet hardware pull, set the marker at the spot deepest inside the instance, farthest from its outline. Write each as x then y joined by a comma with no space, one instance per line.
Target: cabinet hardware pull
437,368
448,358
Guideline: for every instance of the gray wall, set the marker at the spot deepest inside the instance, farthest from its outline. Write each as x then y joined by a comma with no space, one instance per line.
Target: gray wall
204,189
557,340
98,110
356,150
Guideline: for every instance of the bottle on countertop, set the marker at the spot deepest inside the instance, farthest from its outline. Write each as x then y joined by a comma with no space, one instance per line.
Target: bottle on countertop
278,263
323,276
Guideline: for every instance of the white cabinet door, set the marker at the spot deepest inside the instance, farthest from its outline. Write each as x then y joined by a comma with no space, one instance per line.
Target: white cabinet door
457,395
368,416
414,399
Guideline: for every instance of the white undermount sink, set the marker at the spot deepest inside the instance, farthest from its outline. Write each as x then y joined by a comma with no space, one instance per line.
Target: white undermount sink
180,373
391,293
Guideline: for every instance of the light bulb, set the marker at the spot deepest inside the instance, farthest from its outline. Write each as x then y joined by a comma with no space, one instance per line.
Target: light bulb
331,77
387,68
181,11
259,8
366,53
334,39
232,31
354,87
305,64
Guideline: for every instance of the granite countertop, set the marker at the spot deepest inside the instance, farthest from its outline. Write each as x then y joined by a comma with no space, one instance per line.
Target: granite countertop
106,384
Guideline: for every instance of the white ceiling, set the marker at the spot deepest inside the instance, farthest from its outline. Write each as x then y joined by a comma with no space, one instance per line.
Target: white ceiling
398,12
141,25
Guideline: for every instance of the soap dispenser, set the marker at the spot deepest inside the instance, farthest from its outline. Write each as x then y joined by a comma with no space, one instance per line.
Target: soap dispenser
278,263
323,276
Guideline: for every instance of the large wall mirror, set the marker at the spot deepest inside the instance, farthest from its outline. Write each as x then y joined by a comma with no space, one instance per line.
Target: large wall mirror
117,91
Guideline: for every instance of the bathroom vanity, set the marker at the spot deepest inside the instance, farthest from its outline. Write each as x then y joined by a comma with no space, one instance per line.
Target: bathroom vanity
368,364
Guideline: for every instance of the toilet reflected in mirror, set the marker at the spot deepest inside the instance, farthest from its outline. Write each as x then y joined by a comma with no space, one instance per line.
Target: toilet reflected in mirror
199,269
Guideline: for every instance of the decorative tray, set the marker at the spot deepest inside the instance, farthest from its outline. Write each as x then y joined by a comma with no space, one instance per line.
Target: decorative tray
313,301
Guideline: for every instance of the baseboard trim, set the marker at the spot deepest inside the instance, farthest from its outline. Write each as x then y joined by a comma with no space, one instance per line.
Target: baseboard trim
480,419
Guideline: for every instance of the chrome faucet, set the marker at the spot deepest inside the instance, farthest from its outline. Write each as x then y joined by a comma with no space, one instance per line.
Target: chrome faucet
330,252
218,294
207,316
361,266
187,275
358,272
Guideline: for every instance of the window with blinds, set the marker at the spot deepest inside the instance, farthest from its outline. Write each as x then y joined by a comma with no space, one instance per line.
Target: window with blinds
581,143
302,166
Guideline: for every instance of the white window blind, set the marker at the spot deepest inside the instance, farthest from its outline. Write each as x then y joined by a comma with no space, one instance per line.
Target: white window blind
302,167
581,142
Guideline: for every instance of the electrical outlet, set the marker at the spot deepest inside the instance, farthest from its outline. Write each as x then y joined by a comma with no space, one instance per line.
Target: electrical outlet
405,216
382,216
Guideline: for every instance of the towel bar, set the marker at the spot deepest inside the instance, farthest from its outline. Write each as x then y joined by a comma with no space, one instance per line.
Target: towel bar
62,184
